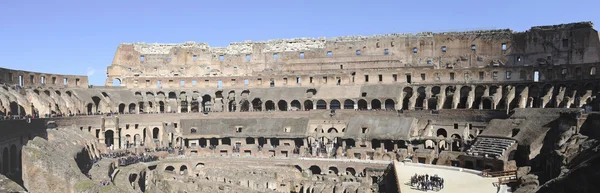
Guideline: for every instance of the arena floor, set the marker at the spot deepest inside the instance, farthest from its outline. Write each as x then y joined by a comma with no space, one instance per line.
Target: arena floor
454,181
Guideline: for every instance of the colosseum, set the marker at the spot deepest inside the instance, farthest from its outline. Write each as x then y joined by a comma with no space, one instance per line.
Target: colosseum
474,111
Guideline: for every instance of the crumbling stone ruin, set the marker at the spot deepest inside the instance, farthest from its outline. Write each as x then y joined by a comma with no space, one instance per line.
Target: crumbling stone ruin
311,115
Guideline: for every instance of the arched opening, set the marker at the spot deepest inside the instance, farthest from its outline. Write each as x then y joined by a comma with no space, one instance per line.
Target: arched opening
308,105
486,103
116,82
348,104
442,133
270,105
333,170
172,95
257,104
213,141
362,104
350,171
479,92
296,106
456,142
464,95
14,158
232,106
249,140
282,105
332,130
96,101
170,169
407,92
334,104
16,109
226,141
298,168
132,108
245,106
321,104
199,166
421,95
161,106
5,160
195,106
90,107
155,132
449,97
206,103
109,138
315,169
534,101
390,104
375,104
183,170
121,108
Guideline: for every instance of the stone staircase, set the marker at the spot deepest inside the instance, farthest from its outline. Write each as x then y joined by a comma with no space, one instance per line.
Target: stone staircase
490,147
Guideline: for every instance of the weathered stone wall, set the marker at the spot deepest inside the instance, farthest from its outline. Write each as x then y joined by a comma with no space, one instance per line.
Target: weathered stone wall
37,79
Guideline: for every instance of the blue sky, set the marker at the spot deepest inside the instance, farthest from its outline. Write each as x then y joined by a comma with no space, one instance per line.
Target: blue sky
81,37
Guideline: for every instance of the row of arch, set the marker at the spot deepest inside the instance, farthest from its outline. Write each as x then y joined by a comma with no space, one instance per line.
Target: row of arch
282,105
10,161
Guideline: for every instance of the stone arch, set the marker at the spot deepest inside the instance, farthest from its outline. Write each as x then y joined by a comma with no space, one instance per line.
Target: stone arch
245,107
479,93
122,108
350,171
116,82
232,106
449,97
16,109
269,105
375,104
199,166
456,142
321,104
206,103
334,104
441,132
155,133
169,169
308,105
257,104
296,106
464,96
533,99
432,102
332,130
172,95
407,92
362,104
315,169
283,106
333,170
90,108
348,104
183,169
14,159
298,168
109,138
421,96
390,104
131,108
5,160
486,103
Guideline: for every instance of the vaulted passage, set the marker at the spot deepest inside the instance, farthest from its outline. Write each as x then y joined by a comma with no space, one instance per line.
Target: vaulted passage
362,104
321,104
348,104
257,104
375,104
283,106
335,104
308,105
296,105
269,105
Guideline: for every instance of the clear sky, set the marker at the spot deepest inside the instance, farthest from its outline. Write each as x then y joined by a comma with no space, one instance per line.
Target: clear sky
80,37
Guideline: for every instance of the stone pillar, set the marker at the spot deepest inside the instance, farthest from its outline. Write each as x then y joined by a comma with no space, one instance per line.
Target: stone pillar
220,141
314,105
189,106
355,105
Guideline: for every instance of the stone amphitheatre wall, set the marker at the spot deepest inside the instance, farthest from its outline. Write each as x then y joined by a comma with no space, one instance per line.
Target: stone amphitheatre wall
37,79
295,62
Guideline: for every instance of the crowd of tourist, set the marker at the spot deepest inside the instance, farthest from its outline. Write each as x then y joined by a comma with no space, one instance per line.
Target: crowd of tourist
133,159
427,182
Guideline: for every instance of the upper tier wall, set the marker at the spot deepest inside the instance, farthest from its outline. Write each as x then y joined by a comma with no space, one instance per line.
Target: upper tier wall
574,43
35,79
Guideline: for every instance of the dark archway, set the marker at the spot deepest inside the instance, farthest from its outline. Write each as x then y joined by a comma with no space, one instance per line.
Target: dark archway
155,133
308,105
257,104
315,169
245,106
408,92
109,138
195,106
283,106
269,105
249,140
14,159
121,108
90,109
479,92
132,108
350,171
161,106
334,104
296,106
232,106
390,104
333,170
362,104
332,130
441,133
16,109
206,103
348,104
464,95
375,104
486,103
321,104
